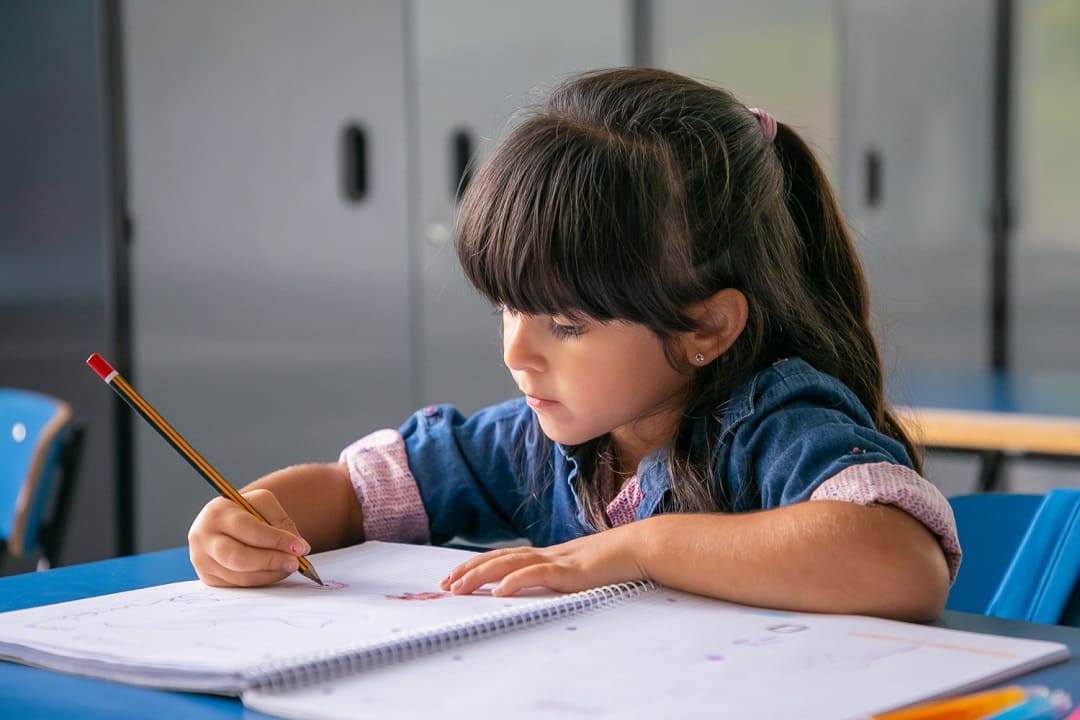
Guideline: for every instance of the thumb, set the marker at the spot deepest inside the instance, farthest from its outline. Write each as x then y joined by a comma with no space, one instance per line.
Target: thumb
267,504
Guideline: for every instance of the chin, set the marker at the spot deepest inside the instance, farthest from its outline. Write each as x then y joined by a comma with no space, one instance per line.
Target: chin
564,436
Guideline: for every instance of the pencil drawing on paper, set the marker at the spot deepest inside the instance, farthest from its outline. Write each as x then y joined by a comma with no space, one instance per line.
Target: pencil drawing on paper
199,609
420,596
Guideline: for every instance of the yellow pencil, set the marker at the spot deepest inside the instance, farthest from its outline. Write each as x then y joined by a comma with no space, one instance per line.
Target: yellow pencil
965,707
99,365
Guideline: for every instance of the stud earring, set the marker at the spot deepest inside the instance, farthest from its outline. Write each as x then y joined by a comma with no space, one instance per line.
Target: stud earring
699,358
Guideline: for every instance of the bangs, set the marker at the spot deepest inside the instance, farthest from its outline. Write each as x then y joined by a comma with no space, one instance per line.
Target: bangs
566,219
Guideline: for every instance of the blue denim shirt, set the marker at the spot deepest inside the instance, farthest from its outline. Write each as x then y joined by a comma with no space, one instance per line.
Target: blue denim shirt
494,476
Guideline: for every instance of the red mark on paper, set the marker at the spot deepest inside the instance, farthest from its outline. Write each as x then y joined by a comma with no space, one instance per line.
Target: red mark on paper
420,596
334,585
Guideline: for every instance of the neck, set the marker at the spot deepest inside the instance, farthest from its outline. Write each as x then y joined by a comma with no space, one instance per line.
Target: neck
630,443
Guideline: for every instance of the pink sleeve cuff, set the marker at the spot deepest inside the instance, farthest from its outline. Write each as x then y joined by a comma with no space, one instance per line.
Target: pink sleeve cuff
390,500
890,484
623,509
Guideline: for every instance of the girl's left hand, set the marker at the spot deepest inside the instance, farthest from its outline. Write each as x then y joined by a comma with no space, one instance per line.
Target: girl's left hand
586,562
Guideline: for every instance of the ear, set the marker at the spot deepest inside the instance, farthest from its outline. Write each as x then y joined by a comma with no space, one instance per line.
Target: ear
721,318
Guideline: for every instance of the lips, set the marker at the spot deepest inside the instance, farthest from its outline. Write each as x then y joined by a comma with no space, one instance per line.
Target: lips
537,402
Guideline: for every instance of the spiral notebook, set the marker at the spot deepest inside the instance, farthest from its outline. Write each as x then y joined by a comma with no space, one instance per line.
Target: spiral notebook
382,638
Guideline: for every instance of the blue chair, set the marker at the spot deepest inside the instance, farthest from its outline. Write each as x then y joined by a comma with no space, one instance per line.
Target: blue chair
39,454
1021,556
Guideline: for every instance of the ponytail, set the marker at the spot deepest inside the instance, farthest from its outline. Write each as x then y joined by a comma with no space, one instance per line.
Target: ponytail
830,264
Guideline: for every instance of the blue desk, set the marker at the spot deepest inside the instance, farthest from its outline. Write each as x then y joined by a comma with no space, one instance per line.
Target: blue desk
27,692
995,415
31,693
1051,394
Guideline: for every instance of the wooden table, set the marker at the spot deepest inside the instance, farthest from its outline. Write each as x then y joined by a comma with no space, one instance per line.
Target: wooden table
995,415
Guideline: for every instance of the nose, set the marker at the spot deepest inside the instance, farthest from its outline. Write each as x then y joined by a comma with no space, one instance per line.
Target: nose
520,346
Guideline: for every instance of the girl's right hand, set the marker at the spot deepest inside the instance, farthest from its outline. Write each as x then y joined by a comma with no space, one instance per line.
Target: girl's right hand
231,547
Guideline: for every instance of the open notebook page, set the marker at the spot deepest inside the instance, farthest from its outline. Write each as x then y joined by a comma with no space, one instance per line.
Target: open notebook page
670,654
190,636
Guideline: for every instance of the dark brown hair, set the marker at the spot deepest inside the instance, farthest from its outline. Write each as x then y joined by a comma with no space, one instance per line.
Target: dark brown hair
632,194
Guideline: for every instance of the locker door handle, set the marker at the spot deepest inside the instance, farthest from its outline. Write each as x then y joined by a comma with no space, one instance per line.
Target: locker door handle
873,177
355,162
461,150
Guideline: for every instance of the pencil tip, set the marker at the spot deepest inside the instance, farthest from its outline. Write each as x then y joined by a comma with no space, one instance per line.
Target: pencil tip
310,574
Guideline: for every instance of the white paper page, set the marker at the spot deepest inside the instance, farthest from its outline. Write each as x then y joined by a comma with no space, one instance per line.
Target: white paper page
669,654
374,592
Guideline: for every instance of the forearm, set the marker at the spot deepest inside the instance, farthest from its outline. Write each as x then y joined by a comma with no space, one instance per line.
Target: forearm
320,500
818,556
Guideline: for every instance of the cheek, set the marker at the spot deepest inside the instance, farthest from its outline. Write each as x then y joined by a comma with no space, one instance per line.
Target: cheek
638,378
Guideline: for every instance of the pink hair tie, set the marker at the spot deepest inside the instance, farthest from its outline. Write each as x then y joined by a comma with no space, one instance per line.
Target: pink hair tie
767,121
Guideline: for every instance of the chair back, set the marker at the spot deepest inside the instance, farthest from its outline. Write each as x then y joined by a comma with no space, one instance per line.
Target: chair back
35,429
1021,555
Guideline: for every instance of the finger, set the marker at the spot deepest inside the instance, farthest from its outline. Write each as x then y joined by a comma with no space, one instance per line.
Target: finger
249,580
491,571
461,570
236,522
216,574
213,580
478,560
243,558
548,575
267,503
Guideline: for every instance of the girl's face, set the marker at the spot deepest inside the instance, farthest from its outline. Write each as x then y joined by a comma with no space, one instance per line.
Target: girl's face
585,379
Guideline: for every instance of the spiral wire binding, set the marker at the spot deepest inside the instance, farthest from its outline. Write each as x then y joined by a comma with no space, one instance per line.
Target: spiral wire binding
282,675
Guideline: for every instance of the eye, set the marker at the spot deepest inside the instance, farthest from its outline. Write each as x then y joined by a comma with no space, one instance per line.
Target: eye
562,329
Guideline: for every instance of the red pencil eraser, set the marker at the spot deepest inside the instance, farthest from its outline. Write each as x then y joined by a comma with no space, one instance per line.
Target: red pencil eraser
99,365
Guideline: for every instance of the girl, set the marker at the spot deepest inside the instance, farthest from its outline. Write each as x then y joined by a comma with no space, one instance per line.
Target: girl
685,315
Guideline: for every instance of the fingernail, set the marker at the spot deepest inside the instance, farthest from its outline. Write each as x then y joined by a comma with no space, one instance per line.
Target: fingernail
289,564
300,548
457,584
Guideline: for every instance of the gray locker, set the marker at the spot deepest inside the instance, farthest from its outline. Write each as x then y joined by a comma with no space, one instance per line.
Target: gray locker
1046,243
474,63
915,174
915,182
780,55
272,303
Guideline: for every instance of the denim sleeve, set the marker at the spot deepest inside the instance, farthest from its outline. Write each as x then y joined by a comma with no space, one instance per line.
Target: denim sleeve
802,428
474,473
